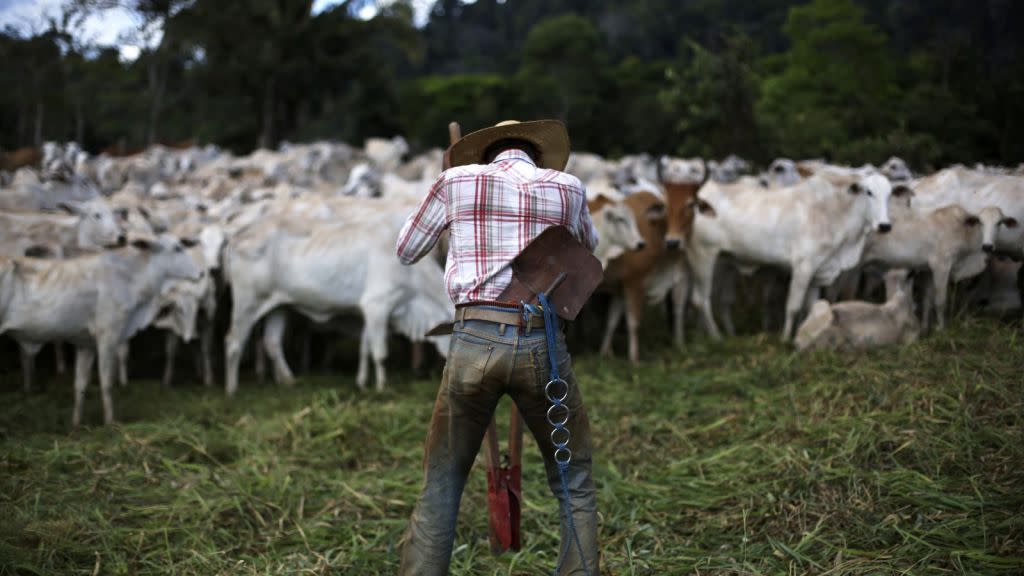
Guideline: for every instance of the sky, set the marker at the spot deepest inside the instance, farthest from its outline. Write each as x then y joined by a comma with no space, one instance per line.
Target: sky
111,27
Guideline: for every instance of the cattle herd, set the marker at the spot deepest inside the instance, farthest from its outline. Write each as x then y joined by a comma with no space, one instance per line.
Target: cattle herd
94,249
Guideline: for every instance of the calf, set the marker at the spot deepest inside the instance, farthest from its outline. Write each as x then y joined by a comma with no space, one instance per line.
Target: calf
632,275
96,302
860,325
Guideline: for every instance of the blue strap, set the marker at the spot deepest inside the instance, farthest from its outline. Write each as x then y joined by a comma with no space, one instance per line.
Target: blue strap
559,426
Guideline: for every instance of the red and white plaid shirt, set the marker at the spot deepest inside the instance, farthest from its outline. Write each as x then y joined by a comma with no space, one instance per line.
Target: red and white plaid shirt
492,212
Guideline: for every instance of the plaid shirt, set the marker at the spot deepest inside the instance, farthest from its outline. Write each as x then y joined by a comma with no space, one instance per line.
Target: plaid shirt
493,211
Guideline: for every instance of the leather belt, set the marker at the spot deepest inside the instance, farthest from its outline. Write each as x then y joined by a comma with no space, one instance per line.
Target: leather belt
510,317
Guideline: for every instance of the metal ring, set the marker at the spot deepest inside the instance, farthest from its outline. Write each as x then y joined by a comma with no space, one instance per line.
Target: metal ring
566,456
563,443
551,396
551,416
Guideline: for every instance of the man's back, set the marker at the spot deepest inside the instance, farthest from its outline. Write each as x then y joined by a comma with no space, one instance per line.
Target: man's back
493,211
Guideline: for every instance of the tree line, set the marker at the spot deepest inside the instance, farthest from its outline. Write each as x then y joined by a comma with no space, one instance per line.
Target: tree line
933,81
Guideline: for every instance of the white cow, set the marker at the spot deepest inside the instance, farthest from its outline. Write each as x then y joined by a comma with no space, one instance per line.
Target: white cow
896,170
815,229
96,302
323,268
947,242
90,226
386,154
860,325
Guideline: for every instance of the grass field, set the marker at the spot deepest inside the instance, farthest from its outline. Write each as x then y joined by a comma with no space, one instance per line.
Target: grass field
733,458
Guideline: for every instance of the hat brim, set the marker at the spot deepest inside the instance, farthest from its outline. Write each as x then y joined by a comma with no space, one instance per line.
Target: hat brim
549,137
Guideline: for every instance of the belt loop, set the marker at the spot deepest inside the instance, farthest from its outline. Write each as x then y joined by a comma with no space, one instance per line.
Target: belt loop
501,330
460,315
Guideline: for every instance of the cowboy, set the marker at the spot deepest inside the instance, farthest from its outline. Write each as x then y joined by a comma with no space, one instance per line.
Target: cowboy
503,186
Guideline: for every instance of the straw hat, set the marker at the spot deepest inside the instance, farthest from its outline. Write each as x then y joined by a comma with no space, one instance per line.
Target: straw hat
549,137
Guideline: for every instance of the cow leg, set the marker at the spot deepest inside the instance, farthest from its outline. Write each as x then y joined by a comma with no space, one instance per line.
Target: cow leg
636,295
242,321
703,276
798,286
122,364
927,306
273,335
727,277
616,308
170,353
680,295
376,313
940,283
28,364
108,354
418,357
206,349
259,356
364,358
84,358
59,358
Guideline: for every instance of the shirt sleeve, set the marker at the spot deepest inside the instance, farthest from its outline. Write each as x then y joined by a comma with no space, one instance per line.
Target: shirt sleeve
585,226
424,226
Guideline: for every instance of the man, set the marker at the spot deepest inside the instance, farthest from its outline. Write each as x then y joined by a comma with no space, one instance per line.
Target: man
504,188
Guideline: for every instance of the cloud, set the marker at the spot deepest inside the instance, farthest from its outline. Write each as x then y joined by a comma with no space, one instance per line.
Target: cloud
108,28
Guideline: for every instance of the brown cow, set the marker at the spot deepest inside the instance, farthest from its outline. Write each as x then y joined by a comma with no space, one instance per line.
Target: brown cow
11,161
631,275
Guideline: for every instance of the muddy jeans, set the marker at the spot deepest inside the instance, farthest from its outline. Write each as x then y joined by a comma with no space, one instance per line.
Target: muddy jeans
485,362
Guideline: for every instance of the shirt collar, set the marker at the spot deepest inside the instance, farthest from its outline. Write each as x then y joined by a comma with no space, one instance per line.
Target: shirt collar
514,154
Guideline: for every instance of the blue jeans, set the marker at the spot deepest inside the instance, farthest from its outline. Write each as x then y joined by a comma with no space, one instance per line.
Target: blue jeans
485,361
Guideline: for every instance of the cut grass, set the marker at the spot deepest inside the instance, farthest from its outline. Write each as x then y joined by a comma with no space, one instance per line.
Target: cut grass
733,458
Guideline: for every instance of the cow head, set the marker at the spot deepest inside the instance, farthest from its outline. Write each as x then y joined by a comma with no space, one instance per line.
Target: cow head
212,240
991,218
783,172
363,182
618,230
98,226
679,213
902,195
171,255
875,190
897,170
681,170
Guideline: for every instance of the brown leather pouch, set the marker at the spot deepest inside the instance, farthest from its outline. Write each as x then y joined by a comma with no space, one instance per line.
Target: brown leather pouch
537,268
553,262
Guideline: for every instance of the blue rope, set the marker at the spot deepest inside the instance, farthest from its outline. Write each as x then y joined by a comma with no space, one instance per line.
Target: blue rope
559,428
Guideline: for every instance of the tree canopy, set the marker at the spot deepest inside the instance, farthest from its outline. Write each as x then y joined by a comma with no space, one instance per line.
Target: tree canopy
935,81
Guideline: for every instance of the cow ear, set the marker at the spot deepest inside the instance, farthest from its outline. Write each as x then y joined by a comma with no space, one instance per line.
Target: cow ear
855,188
189,242
1010,222
655,212
706,209
900,191
804,171
972,221
143,244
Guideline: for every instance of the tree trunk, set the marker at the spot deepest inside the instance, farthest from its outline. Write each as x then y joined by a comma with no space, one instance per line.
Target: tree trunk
267,133
79,122
37,138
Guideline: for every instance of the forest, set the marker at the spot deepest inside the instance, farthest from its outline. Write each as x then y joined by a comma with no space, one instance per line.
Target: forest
933,81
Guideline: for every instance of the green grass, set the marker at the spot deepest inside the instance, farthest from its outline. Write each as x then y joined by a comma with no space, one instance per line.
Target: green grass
733,458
